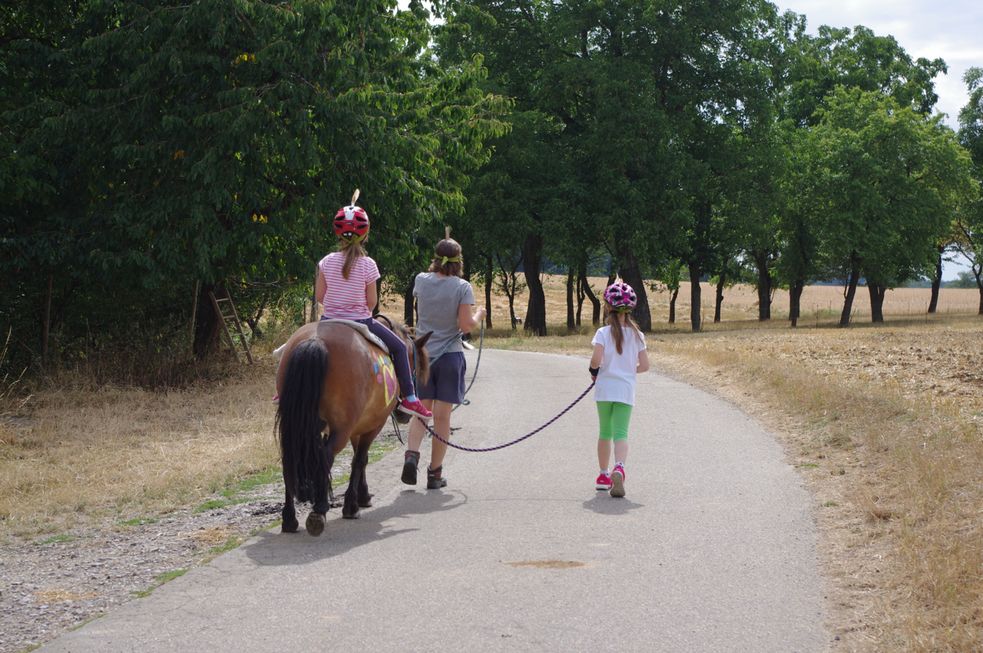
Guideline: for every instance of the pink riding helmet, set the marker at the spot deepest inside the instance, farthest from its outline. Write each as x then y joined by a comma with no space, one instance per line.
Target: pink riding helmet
621,297
351,222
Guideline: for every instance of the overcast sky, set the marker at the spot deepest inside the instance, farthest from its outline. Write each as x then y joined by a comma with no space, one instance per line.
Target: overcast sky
951,29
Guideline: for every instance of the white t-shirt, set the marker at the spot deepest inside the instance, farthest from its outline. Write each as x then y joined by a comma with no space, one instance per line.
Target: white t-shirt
616,380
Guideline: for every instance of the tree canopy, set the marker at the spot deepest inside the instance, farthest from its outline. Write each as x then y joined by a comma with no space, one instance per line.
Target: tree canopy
150,148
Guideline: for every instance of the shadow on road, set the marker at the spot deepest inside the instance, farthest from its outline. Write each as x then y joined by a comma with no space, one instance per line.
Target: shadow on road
342,535
604,504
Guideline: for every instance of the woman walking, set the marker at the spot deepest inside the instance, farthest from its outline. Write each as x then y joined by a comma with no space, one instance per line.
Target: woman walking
445,307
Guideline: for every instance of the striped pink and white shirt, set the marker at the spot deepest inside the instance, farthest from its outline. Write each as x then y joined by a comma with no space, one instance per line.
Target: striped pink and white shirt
345,298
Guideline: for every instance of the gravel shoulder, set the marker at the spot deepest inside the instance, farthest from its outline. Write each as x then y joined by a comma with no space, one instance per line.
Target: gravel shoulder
50,585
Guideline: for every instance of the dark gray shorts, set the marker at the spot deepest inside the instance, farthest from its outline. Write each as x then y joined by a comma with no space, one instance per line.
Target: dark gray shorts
446,381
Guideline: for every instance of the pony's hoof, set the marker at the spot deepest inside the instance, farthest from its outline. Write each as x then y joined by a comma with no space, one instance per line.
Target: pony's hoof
350,515
366,502
289,527
315,524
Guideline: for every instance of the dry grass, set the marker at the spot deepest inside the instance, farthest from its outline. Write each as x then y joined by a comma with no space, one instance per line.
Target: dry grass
76,452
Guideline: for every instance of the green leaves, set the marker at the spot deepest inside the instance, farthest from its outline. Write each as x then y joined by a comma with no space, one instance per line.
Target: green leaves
210,141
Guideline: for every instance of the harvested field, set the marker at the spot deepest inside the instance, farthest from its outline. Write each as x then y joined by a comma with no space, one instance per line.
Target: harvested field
820,304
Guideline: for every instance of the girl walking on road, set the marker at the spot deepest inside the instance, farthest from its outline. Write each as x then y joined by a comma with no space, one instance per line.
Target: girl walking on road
619,354
444,307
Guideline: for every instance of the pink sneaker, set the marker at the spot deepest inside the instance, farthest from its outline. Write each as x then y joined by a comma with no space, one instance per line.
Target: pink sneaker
276,399
414,408
618,481
603,482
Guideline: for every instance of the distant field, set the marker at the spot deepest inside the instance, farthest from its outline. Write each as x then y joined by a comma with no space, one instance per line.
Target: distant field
819,303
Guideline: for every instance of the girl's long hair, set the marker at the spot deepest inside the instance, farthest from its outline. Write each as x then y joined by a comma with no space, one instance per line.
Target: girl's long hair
352,249
618,331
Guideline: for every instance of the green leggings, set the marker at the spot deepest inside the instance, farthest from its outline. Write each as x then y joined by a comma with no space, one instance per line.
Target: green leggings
613,417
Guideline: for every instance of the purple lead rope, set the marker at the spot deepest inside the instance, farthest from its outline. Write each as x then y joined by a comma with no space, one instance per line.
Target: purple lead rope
517,440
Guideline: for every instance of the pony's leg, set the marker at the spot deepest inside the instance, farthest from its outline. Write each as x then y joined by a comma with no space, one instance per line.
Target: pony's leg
289,522
329,457
322,489
357,496
333,501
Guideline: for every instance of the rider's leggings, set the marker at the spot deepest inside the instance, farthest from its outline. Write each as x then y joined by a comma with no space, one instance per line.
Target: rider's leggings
397,350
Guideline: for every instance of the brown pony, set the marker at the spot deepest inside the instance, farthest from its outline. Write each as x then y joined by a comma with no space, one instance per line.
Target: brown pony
335,387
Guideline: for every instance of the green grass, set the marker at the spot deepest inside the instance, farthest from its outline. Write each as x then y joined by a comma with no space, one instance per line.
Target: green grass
57,539
238,491
233,542
159,580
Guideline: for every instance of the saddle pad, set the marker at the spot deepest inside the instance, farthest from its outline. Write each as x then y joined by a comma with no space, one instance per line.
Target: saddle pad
364,330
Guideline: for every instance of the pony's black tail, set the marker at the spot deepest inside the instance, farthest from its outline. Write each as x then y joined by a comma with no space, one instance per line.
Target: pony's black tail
298,421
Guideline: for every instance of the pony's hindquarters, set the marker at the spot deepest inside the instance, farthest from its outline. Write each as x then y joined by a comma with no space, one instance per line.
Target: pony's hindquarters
299,423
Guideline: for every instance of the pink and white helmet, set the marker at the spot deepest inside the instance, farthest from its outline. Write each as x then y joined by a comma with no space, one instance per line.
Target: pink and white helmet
620,297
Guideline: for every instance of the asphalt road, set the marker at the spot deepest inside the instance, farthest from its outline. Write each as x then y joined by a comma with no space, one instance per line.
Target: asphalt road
712,549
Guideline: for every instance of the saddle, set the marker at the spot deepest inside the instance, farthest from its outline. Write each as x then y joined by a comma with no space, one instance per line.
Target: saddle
364,330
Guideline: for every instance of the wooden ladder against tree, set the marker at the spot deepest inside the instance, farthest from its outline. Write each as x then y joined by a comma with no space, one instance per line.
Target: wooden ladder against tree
231,325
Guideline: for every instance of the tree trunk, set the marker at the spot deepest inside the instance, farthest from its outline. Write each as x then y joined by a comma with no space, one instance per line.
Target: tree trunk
254,319
877,293
595,316
933,303
719,299
314,316
532,252
208,324
795,300
764,287
695,308
46,324
489,279
978,274
408,303
851,291
571,320
672,304
581,295
632,275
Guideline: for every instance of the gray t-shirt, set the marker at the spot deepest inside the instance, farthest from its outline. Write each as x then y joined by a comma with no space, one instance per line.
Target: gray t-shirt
437,300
